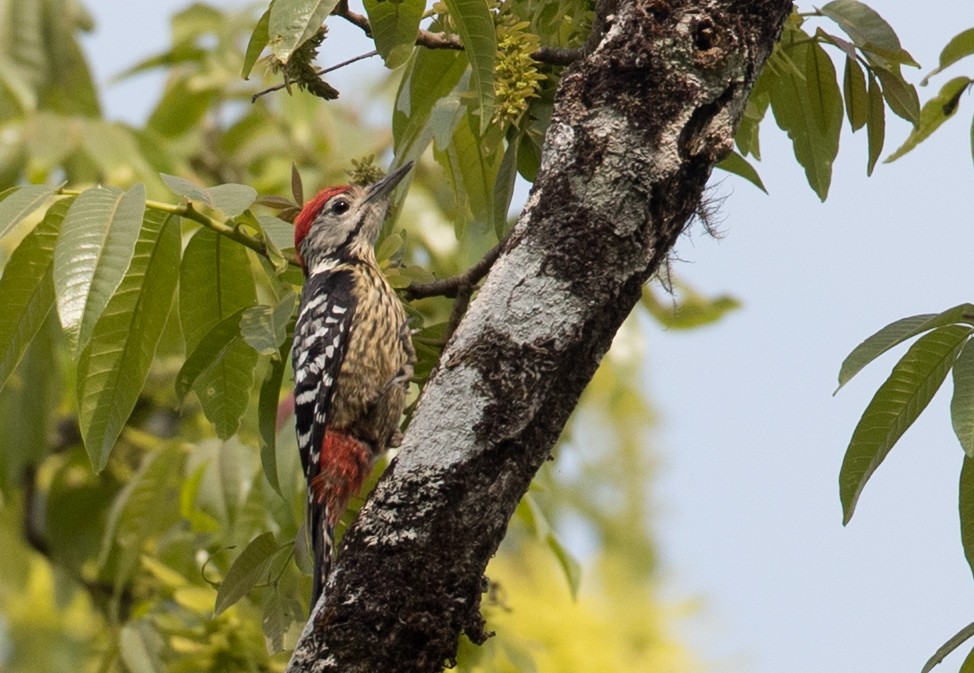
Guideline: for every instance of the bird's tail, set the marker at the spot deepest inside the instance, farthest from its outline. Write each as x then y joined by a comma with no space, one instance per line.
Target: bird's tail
322,543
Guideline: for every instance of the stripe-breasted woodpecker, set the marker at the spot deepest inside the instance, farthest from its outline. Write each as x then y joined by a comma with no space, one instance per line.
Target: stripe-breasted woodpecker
352,355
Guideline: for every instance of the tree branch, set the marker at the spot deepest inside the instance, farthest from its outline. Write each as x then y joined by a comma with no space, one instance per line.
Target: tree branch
637,127
448,287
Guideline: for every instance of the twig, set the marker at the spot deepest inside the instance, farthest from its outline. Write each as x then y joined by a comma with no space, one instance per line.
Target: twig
460,305
319,72
452,287
431,40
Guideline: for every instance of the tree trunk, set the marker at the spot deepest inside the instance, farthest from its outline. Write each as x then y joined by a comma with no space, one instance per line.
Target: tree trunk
638,125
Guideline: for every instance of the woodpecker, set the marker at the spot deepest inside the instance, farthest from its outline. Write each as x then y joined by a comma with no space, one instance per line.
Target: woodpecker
352,354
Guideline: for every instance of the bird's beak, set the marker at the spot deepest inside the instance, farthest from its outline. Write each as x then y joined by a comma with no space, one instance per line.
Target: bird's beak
385,186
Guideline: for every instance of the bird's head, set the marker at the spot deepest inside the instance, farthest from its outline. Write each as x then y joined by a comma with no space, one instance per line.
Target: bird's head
343,222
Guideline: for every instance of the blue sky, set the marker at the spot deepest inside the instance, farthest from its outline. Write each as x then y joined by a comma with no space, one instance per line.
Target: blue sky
750,437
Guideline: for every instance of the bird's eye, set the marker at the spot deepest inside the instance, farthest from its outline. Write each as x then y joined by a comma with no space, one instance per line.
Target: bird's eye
340,207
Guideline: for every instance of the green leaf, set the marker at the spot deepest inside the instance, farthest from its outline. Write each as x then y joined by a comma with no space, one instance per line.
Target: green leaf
968,665
277,231
896,333
277,618
809,109
962,402
189,190
267,404
900,95
139,646
960,46
956,641
856,96
868,30
93,253
221,372
149,502
246,571
258,40
430,75
737,165
504,188
394,28
471,165
113,367
232,198
691,310
216,280
935,112
21,203
531,512
216,285
965,505
569,564
898,402
27,288
25,407
476,28
182,107
875,125
294,22
265,327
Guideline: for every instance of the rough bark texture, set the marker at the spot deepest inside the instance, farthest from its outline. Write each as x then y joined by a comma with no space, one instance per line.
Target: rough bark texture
638,126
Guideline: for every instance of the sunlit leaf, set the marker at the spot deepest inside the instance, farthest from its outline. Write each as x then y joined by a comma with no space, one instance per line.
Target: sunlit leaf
92,255
476,28
896,333
898,402
247,570
27,288
935,112
113,368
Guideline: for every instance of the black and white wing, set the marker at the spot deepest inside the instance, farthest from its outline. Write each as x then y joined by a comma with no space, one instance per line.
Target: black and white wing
320,341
